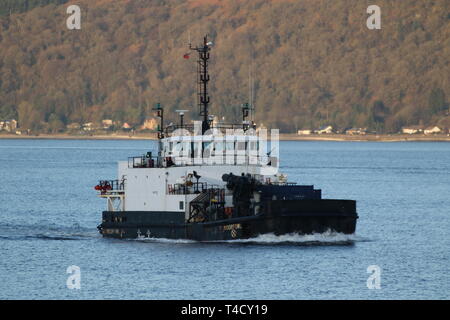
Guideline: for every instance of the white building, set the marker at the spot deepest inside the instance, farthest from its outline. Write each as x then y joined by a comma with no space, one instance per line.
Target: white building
150,124
432,130
88,126
107,123
324,130
356,131
412,129
8,125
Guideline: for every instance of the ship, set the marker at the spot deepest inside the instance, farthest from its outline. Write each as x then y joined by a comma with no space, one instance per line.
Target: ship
208,180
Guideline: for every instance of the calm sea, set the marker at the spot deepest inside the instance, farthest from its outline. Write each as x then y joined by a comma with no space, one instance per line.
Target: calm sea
49,212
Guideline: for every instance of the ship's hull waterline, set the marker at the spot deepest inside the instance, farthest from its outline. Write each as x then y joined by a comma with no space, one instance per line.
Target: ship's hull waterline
279,218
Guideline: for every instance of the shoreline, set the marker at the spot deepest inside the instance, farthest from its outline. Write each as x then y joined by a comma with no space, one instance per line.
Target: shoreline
366,138
283,137
79,137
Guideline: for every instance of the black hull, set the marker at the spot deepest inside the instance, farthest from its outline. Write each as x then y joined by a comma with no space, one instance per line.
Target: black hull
280,217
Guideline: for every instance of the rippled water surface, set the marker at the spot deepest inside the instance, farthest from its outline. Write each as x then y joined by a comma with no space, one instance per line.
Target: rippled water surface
49,213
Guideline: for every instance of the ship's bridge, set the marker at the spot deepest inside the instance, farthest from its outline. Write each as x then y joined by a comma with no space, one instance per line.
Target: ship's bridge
215,148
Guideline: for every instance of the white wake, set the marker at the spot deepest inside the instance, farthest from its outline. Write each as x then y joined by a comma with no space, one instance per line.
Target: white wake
328,237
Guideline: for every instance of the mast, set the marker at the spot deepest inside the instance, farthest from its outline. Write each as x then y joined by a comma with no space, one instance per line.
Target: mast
202,81
160,114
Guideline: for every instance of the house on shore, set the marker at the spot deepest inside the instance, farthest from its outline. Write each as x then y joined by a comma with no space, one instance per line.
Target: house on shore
149,124
356,131
432,130
107,123
8,125
412,129
304,132
324,130
126,127
87,126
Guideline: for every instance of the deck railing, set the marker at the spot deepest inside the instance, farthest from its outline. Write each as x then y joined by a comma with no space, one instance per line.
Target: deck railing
142,162
219,126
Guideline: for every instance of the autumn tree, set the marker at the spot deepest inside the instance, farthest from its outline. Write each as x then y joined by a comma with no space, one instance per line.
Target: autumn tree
436,100
317,65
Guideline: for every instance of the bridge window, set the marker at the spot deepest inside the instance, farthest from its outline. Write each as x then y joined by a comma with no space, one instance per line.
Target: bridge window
218,147
207,149
230,146
241,145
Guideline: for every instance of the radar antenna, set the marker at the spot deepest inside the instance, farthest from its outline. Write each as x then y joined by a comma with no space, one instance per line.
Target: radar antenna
181,114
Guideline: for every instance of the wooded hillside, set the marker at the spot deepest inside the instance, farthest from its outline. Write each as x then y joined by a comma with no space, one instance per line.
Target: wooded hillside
314,61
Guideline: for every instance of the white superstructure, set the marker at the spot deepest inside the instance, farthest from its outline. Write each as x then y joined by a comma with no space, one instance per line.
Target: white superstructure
187,165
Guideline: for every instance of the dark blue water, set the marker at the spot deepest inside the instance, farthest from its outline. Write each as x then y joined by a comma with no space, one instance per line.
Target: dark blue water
49,213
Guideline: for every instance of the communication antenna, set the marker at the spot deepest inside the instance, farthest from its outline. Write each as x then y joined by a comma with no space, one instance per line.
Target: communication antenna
202,80
251,93
160,114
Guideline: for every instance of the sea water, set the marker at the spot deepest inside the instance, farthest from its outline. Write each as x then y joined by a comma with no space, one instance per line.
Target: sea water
49,212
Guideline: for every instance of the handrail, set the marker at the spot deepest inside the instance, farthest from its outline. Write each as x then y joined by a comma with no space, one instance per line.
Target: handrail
190,127
185,188
142,162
